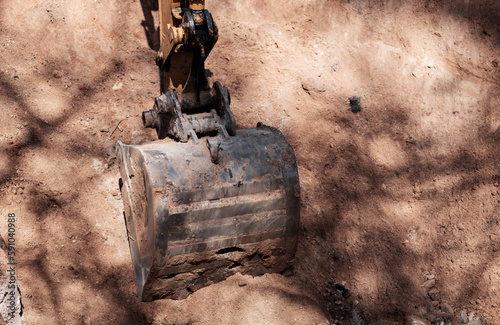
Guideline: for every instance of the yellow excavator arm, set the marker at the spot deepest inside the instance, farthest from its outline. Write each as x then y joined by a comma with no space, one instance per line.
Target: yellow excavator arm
187,35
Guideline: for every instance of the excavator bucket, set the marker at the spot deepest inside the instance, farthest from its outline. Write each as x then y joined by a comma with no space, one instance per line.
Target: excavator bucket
192,222
205,200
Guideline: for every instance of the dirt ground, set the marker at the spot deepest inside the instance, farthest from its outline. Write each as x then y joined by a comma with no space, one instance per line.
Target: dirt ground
400,201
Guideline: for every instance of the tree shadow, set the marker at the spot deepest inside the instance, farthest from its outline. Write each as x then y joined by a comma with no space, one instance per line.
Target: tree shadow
351,188
152,32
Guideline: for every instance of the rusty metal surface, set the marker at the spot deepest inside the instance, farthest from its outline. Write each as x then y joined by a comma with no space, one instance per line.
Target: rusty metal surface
169,114
192,222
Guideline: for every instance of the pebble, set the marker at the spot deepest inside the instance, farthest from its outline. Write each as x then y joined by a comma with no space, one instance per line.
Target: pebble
311,84
463,317
355,104
114,192
83,87
117,86
431,277
445,308
346,293
434,294
340,287
414,320
429,284
242,283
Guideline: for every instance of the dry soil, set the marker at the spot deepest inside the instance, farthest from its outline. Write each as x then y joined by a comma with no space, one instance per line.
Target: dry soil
400,201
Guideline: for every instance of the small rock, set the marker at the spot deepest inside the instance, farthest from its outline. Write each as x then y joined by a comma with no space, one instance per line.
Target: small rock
429,284
242,283
355,103
445,308
463,317
114,192
435,303
434,294
340,287
431,277
338,302
83,87
117,86
14,190
475,321
57,75
336,295
414,320
311,84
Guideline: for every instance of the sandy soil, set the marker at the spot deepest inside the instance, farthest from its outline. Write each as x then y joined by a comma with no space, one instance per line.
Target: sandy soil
400,201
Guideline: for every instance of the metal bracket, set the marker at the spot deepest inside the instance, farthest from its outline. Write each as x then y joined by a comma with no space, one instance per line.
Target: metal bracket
167,116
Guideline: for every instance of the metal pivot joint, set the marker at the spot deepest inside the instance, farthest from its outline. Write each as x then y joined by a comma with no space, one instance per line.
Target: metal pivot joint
169,115
188,106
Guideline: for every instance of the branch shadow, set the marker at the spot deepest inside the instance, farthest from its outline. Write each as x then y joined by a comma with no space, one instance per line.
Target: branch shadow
151,31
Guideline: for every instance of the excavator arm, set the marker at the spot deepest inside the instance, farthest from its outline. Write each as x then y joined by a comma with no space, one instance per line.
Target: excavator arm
205,200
